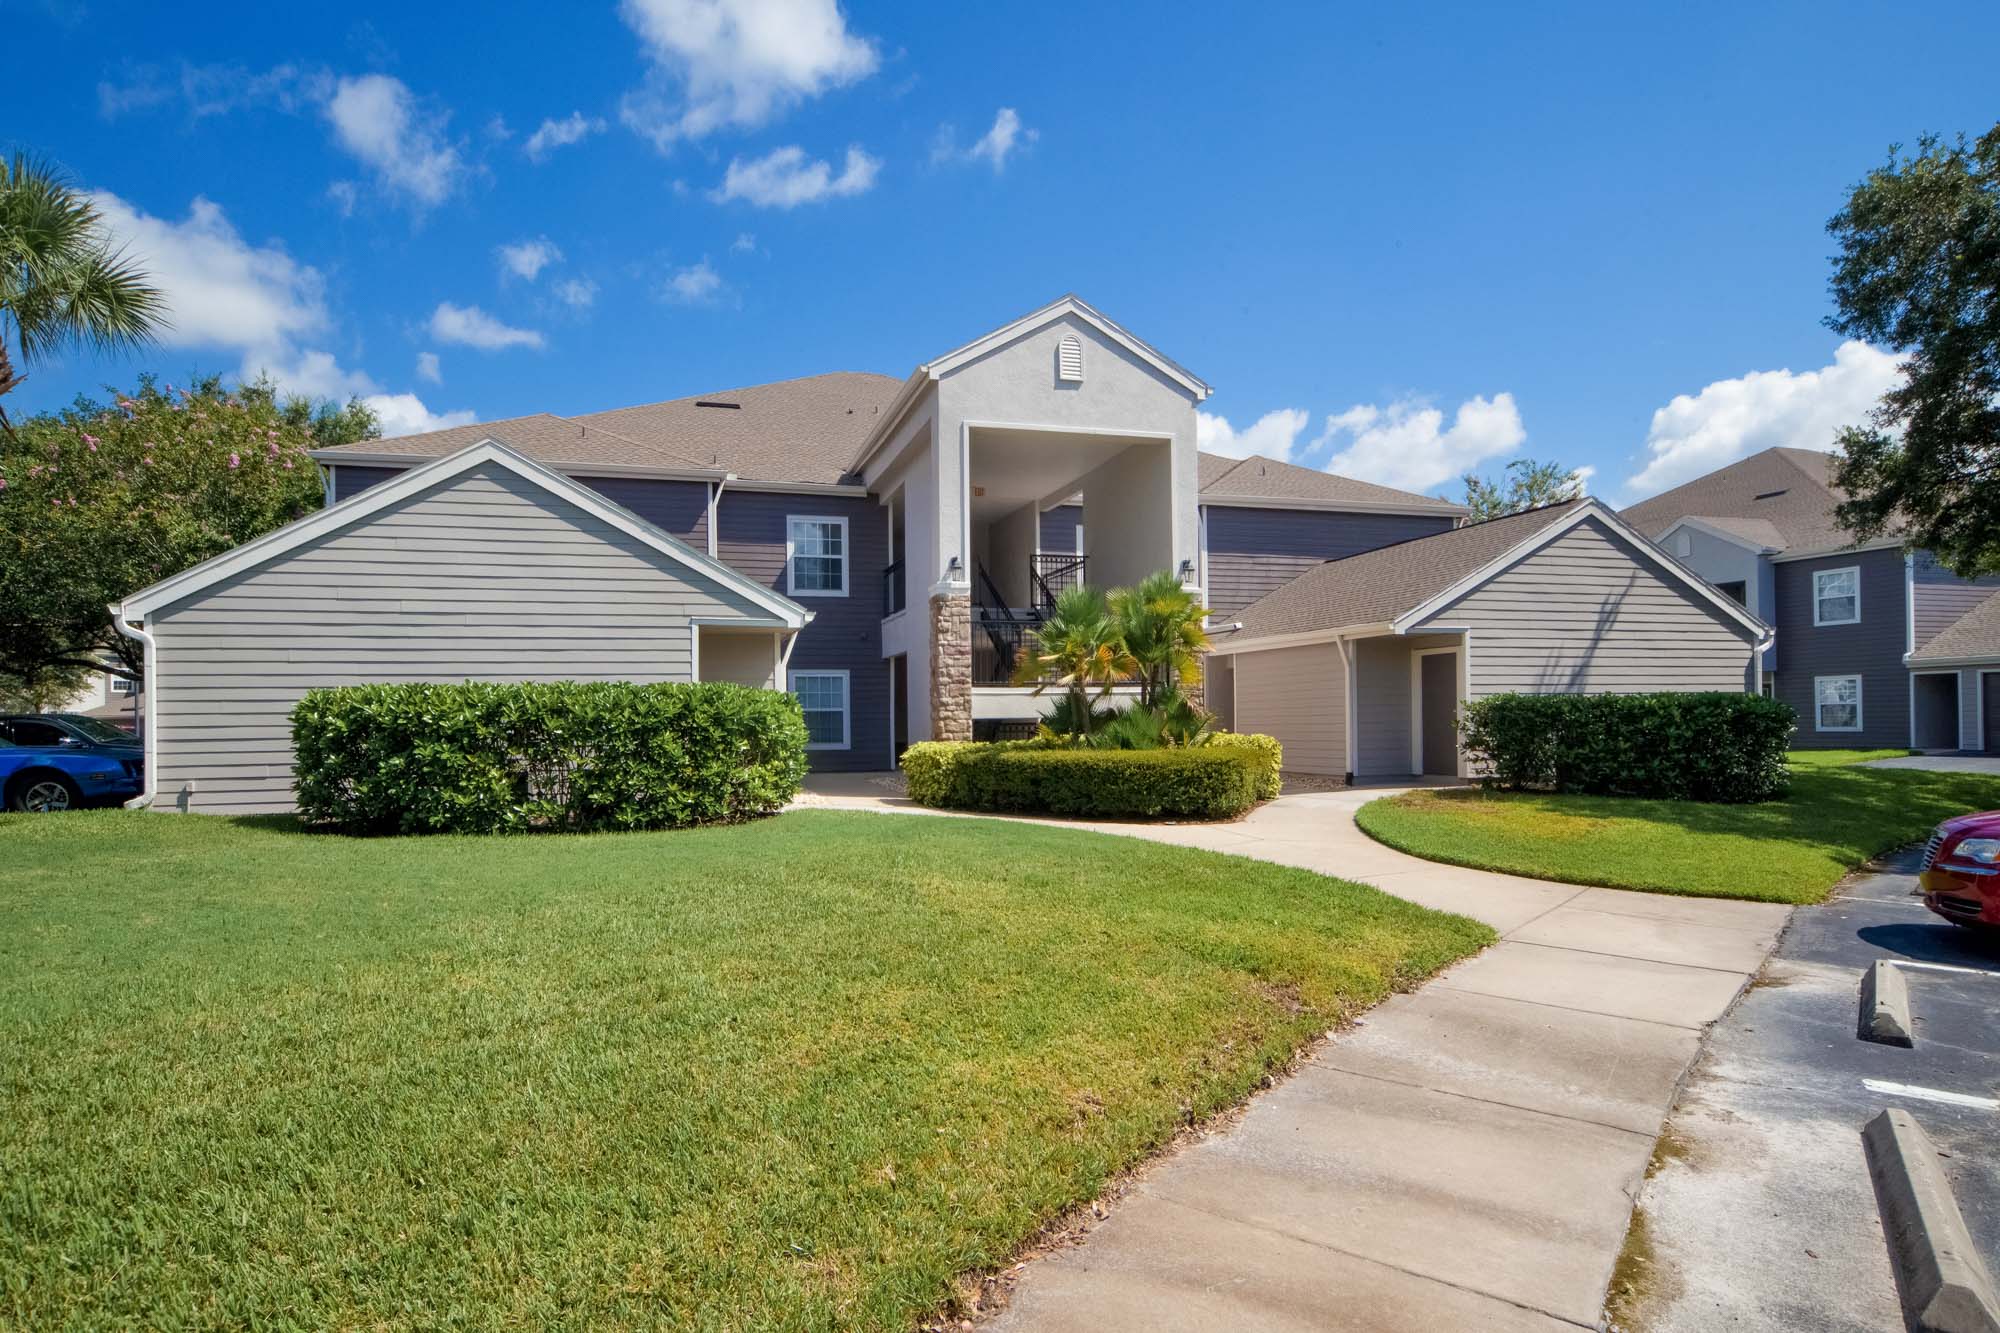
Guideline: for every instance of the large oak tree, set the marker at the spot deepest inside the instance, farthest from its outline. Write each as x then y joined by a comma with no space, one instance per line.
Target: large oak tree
1919,272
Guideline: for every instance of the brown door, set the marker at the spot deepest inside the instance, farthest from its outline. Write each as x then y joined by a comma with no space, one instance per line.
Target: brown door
1438,694
899,705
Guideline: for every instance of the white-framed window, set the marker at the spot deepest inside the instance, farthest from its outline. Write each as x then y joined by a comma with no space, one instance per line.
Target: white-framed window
815,556
823,699
1836,703
1837,596
120,685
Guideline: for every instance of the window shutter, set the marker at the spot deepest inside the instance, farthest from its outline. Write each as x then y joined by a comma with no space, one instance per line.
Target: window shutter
1069,360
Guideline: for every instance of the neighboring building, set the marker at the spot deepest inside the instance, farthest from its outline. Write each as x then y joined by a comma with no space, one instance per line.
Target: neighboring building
1359,665
1876,646
878,546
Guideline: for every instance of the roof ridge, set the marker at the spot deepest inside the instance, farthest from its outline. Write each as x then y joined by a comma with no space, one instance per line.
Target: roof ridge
1454,531
584,427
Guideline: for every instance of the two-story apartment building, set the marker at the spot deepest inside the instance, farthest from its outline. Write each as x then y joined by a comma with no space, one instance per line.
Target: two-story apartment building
1875,646
878,546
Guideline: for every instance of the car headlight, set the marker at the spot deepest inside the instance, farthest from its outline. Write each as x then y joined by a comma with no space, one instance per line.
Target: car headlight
1983,850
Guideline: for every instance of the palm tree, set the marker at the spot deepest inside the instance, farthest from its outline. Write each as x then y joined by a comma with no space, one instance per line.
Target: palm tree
62,285
1079,649
1162,628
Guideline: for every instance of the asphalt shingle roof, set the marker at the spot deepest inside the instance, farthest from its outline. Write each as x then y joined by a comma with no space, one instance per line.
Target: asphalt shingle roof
804,430
1260,478
1381,584
1789,493
1974,634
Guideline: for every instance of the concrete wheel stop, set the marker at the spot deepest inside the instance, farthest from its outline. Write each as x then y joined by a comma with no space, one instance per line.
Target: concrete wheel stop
1945,1287
1885,1006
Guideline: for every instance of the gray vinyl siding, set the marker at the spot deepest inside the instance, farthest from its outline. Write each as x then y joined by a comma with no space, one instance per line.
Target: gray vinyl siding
679,507
1058,527
1253,551
1872,649
482,576
1590,613
846,632
1382,698
1939,597
1298,695
350,479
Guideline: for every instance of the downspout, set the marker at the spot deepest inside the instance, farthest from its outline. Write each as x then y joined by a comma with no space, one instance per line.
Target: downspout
149,740
1346,647
325,486
714,499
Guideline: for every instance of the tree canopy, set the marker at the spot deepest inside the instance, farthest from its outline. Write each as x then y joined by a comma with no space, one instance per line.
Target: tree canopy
97,502
1529,485
1918,272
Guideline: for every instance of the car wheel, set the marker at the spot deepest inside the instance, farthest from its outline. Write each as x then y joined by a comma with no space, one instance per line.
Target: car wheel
43,793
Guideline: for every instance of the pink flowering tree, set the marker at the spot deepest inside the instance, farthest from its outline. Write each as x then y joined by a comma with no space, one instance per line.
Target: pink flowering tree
101,500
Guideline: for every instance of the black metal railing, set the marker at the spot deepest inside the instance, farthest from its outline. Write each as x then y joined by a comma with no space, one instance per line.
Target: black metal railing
1049,573
998,641
892,589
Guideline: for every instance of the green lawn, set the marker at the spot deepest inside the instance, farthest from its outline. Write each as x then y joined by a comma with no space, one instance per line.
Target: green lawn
1789,851
793,1074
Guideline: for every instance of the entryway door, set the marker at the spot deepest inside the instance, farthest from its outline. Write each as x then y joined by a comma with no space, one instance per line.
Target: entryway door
899,708
1437,695
1989,692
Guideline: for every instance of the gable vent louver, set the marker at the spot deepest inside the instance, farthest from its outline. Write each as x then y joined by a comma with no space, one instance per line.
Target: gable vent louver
1069,360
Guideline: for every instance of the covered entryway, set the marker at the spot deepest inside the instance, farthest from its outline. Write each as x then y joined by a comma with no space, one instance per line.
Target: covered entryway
1989,708
1436,709
1934,711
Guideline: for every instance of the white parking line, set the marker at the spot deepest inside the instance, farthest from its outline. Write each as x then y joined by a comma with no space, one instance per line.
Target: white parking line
1945,967
1929,1094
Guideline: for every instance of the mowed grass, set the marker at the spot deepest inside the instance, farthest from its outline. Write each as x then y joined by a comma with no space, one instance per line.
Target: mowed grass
1837,816
793,1074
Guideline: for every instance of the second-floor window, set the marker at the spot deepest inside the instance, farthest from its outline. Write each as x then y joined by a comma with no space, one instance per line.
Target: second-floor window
1837,596
816,557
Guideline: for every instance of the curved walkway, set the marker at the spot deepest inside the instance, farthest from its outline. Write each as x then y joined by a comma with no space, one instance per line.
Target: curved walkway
1466,1157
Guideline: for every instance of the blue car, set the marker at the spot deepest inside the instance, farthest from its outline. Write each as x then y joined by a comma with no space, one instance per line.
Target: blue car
45,778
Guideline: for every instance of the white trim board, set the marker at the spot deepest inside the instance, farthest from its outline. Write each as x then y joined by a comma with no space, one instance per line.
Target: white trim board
384,494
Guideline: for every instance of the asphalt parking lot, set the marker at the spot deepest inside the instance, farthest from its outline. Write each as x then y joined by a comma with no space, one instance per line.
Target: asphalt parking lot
1760,1212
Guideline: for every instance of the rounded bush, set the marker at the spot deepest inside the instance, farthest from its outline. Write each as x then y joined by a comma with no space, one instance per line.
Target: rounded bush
1025,777
1696,746
567,756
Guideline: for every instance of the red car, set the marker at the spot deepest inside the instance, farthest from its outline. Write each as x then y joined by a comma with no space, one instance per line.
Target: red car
1961,874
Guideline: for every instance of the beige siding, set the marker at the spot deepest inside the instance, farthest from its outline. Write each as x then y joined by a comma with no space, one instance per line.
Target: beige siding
1589,613
483,576
741,657
1298,695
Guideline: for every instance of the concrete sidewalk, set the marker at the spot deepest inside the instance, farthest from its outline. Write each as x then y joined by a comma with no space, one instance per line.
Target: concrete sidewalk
1466,1158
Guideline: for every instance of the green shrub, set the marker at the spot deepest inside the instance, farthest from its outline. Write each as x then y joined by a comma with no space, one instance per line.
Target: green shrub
1201,782
569,756
1266,748
1694,747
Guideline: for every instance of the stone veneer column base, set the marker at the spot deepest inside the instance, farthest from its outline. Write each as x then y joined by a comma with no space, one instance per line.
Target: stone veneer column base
951,667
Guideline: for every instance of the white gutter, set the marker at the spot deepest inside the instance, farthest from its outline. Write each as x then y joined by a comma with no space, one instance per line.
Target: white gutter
150,719
714,499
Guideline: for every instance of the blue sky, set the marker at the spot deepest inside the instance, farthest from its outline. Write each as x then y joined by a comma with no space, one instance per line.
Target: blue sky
1398,243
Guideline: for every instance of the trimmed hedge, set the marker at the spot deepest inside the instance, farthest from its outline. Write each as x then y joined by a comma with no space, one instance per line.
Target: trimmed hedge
1266,748
570,756
1200,782
1690,747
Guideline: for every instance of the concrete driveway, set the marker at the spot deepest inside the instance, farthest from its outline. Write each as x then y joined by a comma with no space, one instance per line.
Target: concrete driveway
1466,1157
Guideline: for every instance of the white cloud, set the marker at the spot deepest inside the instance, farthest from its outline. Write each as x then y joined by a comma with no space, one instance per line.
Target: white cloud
744,243
697,284
1273,435
576,293
405,414
221,291
719,64
1583,475
213,90
1734,418
345,195
991,147
526,259
469,326
256,302
1408,445
428,368
378,120
554,134
784,178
